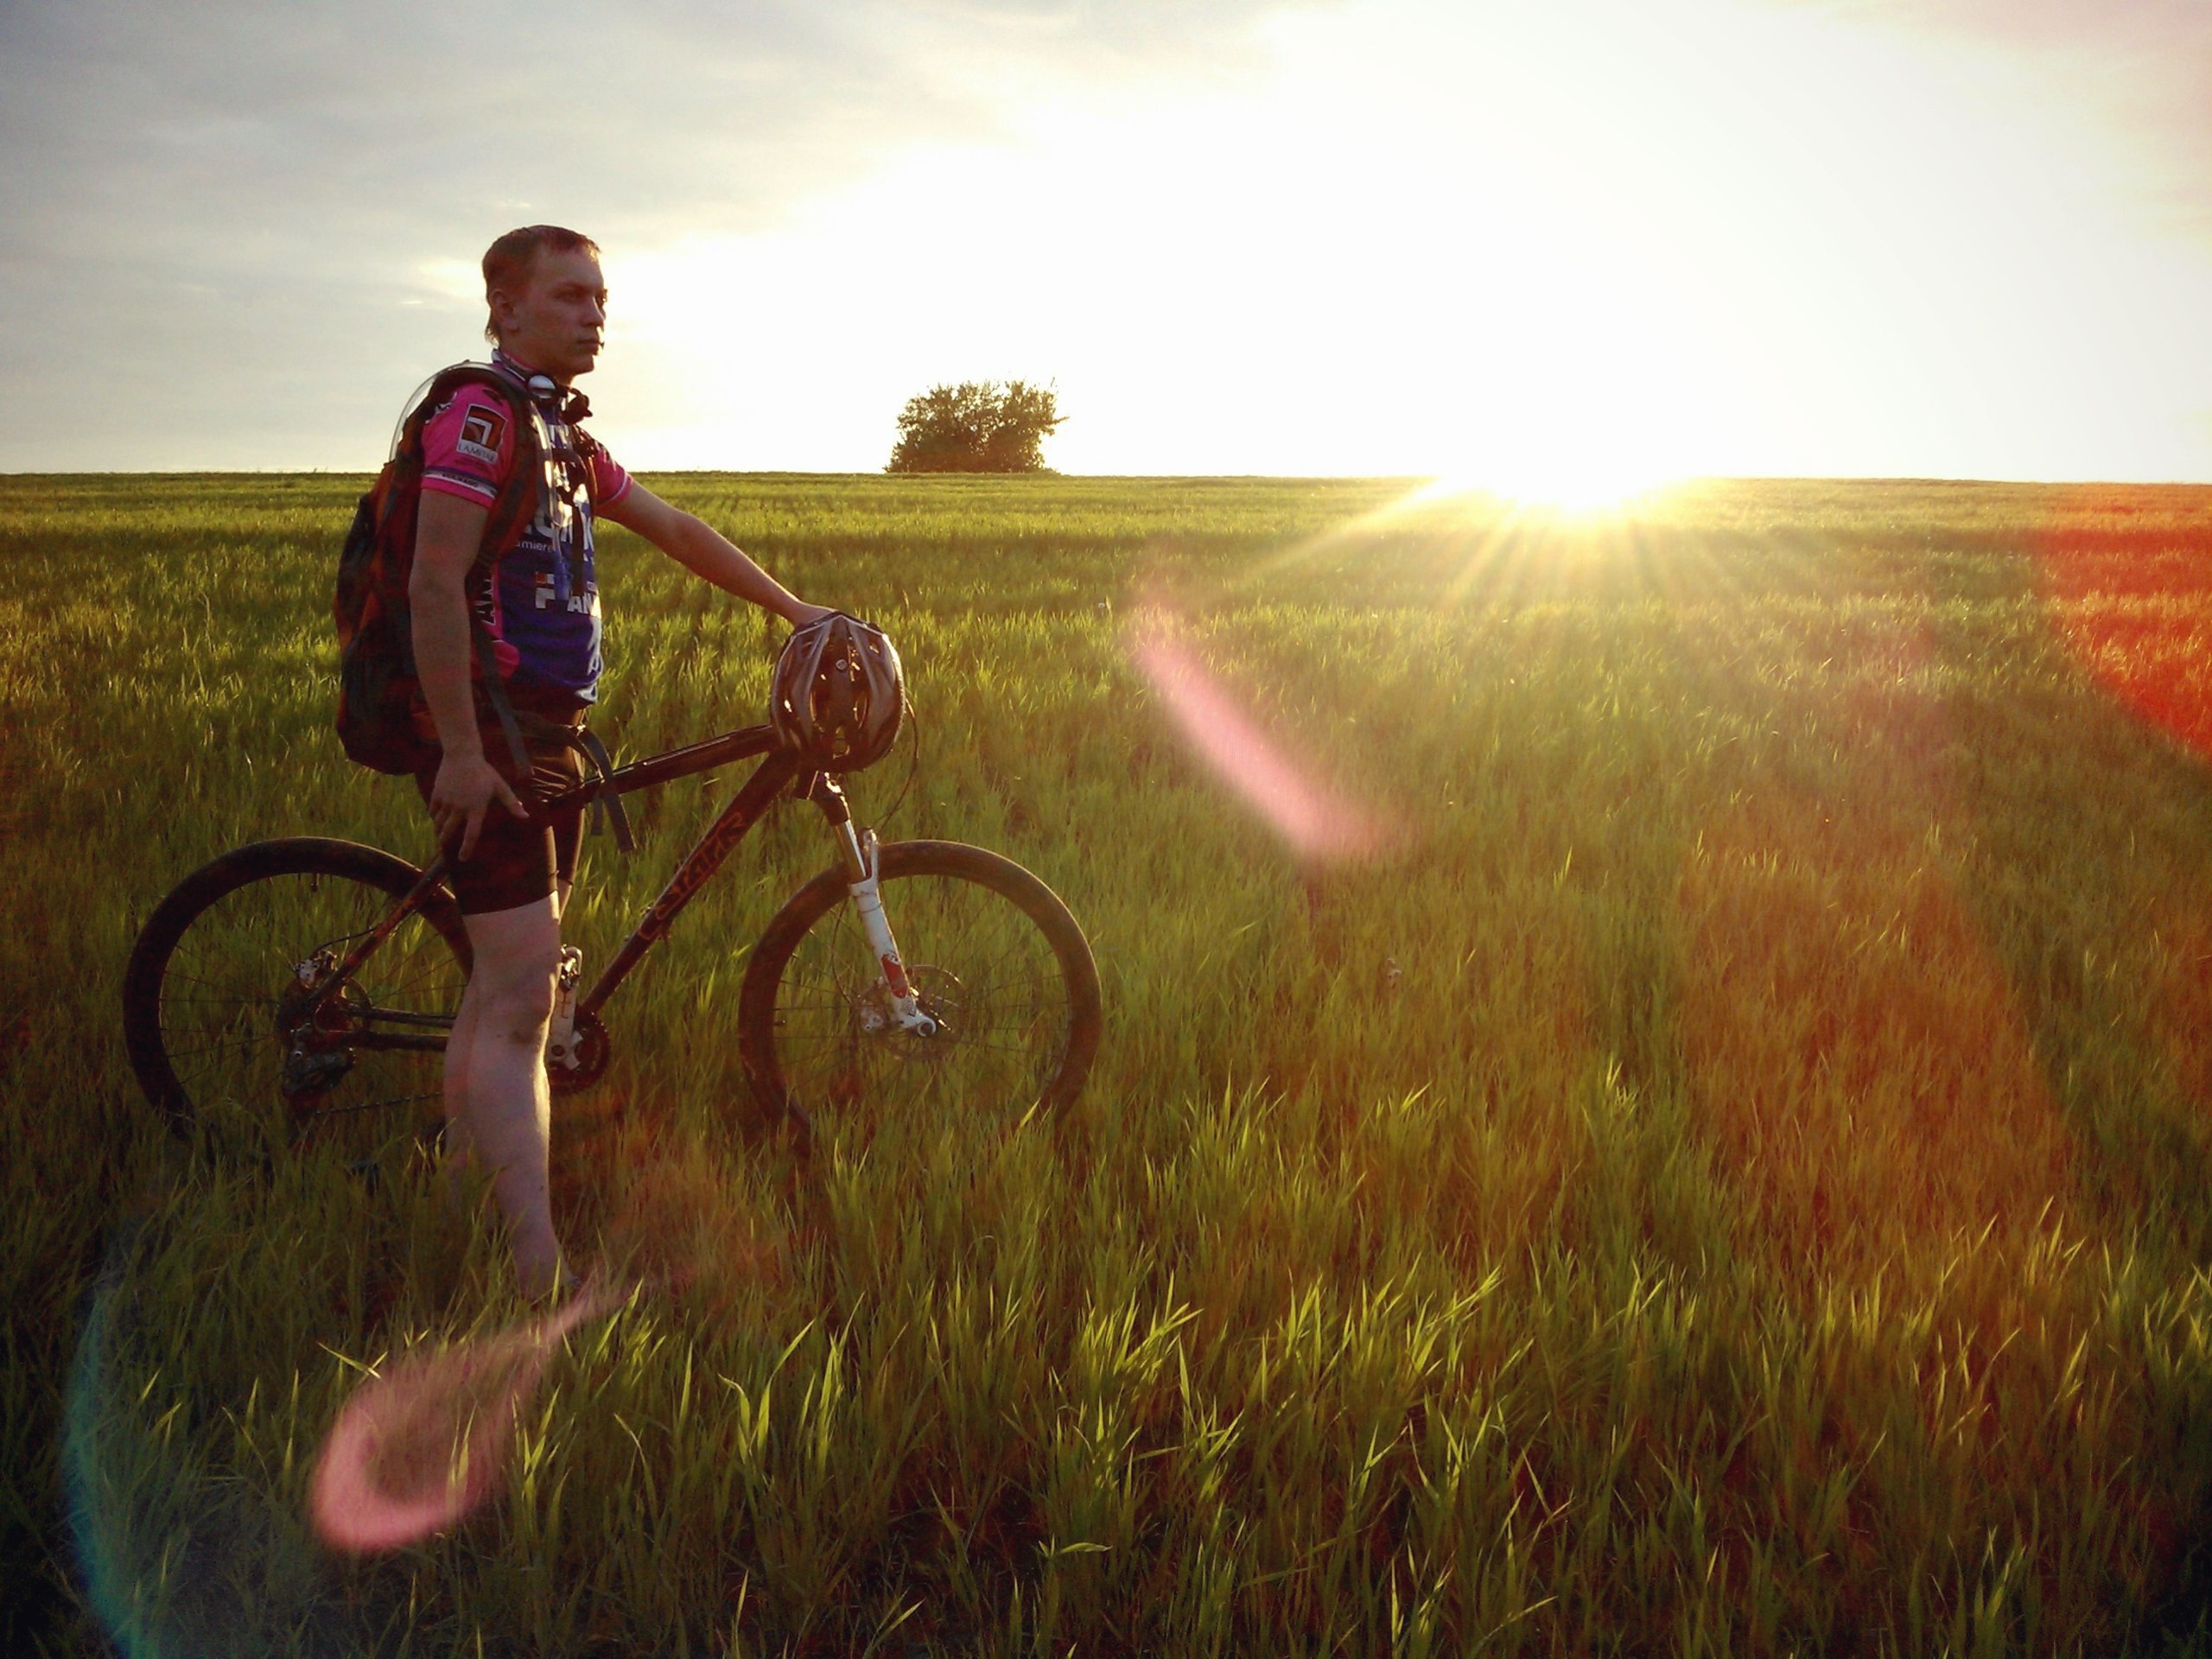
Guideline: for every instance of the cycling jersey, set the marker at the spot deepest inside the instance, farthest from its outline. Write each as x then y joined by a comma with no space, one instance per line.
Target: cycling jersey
541,603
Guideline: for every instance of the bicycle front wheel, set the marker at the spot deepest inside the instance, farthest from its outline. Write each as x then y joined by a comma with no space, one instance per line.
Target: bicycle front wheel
994,958
230,1004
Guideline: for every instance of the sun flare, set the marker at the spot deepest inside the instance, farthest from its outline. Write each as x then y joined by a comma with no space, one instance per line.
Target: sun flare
1565,489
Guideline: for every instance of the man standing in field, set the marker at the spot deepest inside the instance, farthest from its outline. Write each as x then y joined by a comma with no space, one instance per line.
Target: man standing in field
538,598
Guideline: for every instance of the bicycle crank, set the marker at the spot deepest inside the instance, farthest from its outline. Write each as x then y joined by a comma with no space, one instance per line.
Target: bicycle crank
583,1059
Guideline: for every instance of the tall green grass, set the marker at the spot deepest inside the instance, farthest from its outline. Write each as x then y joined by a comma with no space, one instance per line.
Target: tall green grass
1727,1179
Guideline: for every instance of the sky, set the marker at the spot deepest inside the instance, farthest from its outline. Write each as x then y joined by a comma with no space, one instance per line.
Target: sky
1520,242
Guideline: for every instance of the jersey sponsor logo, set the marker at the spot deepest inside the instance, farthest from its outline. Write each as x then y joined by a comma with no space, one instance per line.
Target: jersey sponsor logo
481,431
459,480
551,595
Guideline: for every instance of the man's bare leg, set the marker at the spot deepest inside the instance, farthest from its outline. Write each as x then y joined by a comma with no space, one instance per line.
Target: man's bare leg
498,1104
459,1155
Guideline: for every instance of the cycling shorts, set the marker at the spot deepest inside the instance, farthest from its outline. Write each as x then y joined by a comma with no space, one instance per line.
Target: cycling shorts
516,862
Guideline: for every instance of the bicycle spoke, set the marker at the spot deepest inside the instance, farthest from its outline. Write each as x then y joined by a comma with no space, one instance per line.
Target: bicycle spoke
219,1046
309,1119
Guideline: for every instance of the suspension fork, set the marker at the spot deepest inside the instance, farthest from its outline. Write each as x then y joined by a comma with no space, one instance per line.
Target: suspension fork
860,852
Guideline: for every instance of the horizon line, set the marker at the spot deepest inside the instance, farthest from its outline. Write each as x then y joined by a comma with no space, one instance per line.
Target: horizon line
1472,486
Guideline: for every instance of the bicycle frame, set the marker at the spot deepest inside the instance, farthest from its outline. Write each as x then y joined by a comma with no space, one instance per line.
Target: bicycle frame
778,771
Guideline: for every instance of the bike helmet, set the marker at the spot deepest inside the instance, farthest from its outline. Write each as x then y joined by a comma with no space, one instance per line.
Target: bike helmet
839,693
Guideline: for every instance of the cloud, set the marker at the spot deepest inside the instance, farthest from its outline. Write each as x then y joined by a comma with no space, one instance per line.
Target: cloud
246,215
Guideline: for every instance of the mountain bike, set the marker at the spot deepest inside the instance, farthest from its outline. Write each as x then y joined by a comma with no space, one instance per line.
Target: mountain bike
308,979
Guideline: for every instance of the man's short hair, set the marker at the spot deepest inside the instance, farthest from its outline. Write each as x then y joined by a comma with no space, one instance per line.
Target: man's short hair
507,262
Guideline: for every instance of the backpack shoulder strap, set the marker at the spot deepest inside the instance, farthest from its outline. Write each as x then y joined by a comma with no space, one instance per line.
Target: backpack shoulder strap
523,493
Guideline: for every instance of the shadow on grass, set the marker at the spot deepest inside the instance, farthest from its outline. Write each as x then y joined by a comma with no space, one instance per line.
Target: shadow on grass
2089,856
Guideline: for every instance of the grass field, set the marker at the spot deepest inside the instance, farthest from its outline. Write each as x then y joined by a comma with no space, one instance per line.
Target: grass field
1725,1176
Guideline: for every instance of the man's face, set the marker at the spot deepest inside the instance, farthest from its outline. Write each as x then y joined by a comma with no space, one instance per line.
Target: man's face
557,323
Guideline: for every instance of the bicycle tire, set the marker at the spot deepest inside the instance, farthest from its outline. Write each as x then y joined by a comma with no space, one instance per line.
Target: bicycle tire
974,929
207,990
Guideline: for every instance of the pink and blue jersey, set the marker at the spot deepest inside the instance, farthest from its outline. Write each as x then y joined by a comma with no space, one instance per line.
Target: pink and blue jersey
541,602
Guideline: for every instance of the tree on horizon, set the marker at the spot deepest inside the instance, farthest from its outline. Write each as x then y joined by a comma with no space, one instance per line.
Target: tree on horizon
978,426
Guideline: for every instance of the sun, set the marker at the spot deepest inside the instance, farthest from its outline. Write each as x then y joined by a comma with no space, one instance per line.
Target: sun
1564,488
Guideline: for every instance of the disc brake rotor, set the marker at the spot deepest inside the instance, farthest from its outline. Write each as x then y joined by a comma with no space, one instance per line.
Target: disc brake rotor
937,990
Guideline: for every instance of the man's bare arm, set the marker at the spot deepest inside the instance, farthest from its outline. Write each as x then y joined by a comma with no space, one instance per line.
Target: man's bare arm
448,531
703,550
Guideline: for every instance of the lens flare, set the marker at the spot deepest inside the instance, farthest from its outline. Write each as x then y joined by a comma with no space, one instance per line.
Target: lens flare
420,1445
1319,824
2126,576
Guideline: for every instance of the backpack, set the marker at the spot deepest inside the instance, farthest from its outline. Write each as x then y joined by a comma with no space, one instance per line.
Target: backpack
378,689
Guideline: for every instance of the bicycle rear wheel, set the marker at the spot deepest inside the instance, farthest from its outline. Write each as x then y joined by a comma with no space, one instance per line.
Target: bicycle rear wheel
228,1009
994,958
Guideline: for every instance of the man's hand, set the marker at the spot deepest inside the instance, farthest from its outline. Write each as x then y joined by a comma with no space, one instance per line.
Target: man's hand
803,615
462,793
